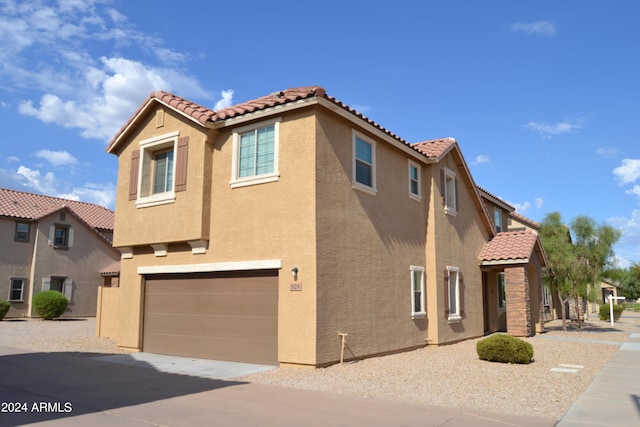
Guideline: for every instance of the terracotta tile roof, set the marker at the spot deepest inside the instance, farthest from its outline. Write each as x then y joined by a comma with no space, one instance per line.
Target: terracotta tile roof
29,206
112,269
435,148
497,199
521,218
509,246
205,115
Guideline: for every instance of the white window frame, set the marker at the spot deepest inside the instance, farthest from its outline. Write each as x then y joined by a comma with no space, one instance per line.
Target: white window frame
454,272
418,195
372,189
148,147
237,181
501,284
450,203
17,237
417,312
497,219
69,236
546,296
22,283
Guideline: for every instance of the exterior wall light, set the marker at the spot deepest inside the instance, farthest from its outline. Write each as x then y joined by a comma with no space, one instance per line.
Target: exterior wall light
294,273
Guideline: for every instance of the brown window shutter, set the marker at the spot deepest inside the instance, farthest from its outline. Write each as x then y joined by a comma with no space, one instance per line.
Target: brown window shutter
455,193
446,294
133,175
181,164
443,184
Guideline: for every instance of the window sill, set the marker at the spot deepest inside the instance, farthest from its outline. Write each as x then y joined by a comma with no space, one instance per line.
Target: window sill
15,300
418,315
364,188
450,211
254,180
455,319
157,199
415,197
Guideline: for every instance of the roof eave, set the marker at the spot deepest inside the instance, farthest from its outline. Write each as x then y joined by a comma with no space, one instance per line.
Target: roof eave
496,262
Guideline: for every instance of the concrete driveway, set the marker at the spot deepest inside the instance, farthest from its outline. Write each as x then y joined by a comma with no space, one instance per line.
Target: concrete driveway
64,389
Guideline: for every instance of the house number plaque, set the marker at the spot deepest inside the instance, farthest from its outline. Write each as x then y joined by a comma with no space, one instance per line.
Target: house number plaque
295,286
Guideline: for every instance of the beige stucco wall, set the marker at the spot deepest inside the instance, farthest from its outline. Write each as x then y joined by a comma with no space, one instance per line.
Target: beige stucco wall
81,263
15,262
456,241
366,244
270,221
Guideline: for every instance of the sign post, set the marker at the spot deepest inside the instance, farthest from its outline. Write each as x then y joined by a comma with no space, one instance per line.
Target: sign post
611,298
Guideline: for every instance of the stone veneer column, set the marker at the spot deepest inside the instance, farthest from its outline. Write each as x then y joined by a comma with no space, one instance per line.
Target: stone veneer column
518,302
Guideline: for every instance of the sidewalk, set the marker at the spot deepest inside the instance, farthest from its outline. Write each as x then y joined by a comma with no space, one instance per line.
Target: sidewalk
613,397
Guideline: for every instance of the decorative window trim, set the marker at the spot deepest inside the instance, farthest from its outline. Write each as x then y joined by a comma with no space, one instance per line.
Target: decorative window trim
417,195
17,234
449,191
422,312
237,181
69,238
147,148
372,189
454,316
502,292
67,285
22,283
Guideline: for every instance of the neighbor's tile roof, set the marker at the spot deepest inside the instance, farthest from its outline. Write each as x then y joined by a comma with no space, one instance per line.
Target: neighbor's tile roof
112,269
509,246
29,206
435,148
204,115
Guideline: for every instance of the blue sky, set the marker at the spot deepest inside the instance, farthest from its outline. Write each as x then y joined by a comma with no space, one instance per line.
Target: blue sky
542,96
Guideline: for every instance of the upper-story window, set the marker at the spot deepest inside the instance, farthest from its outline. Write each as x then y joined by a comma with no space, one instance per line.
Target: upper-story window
364,164
22,232
61,236
497,219
415,190
159,170
255,154
450,191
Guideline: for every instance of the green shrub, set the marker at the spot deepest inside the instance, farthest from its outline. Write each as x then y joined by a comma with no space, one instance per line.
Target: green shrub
505,349
4,308
605,312
49,304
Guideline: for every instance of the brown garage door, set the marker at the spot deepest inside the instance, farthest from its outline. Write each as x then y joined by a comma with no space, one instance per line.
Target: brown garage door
224,316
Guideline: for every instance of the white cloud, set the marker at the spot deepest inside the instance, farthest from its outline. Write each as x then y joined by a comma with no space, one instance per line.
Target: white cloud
538,202
538,28
44,52
607,152
547,130
628,247
635,190
226,101
521,207
481,159
12,159
57,158
35,181
628,172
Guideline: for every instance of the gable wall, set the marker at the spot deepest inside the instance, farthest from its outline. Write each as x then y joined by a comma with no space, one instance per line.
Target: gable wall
455,241
366,244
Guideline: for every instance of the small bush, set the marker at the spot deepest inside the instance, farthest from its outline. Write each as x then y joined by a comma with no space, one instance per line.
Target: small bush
605,312
505,349
4,308
49,304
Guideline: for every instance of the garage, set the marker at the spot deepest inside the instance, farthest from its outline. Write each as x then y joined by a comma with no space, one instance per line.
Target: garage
229,316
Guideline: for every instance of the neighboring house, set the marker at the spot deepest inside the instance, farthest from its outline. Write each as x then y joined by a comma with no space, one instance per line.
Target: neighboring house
282,229
52,243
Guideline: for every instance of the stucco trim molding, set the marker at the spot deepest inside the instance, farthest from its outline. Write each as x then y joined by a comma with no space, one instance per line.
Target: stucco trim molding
514,261
268,264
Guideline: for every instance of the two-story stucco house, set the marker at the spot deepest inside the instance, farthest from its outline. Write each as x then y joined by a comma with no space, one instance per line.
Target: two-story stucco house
53,243
291,229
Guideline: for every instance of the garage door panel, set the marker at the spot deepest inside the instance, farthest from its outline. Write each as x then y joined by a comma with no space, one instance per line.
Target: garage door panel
226,318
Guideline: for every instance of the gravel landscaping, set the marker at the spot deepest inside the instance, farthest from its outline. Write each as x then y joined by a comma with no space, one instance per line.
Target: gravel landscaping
450,375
